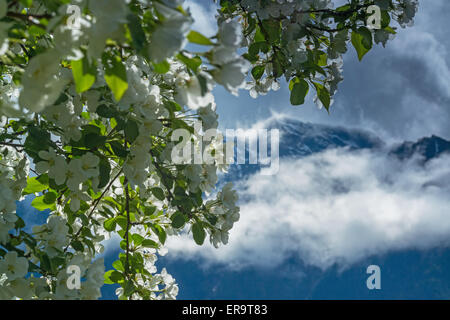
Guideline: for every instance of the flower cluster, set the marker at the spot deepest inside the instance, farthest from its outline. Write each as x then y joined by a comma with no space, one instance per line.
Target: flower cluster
304,40
14,170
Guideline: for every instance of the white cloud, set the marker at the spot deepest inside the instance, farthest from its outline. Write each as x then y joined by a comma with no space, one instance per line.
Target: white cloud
334,207
204,17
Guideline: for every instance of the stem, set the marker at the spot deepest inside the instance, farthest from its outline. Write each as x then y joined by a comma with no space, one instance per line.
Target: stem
95,204
29,18
127,210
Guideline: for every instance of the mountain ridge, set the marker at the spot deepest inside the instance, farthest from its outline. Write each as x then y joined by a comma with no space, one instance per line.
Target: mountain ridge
301,139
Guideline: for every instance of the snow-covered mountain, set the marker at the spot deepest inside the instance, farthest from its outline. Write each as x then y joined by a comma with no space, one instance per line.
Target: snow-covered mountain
299,139
428,148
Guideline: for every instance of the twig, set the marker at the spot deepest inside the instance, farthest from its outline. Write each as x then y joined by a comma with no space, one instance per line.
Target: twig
95,203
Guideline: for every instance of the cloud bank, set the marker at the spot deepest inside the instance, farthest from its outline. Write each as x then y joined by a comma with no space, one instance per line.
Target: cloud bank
204,16
335,207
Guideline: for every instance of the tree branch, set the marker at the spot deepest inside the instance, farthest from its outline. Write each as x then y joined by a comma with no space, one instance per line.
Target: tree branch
95,204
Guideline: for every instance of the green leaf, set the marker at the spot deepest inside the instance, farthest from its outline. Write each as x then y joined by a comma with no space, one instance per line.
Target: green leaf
83,74
122,221
323,95
272,28
203,84
26,3
199,233
256,47
362,41
390,30
77,245
40,205
93,140
149,244
107,277
34,186
118,149
259,36
129,289
105,172
137,239
299,92
257,72
106,111
178,220
50,197
116,276
158,193
162,67
118,265
366,37
110,224
162,235
36,31
322,59
192,63
137,32
19,224
131,130
37,140
116,77
198,38
385,19
211,218
112,276
45,262
148,211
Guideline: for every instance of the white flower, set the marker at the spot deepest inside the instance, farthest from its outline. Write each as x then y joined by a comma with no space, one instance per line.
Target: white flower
54,232
169,37
3,8
92,97
75,175
230,33
95,273
89,165
222,55
21,288
43,81
71,125
193,173
209,178
232,75
4,229
208,116
228,196
109,15
13,266
4,41
6,194
8,95
190,93
75,198
89,291
54,164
